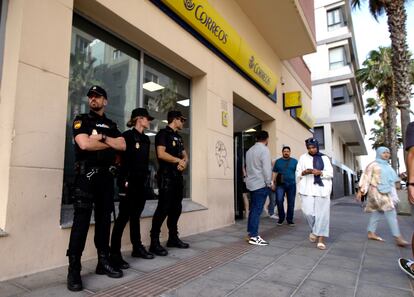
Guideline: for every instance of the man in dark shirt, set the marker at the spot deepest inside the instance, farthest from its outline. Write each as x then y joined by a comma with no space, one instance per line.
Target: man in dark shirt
132,181
172,160
97,139
407,265
285,184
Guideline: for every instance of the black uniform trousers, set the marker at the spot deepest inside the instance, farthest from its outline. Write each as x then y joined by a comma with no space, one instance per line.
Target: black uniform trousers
97,193
130,209
170,186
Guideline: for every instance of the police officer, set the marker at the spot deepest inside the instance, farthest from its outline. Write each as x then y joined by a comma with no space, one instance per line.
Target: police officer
97,139
133,178
172,160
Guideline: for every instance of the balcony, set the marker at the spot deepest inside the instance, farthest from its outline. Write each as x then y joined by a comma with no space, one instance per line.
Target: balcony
288,26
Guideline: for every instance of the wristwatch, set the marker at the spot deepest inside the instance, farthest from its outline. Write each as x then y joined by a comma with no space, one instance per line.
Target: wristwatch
410,184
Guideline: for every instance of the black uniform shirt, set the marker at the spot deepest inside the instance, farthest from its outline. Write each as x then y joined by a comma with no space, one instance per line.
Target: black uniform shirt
174,145
135,159
409,136
93,123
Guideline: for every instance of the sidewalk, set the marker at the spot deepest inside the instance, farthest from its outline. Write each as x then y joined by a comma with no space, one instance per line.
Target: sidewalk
221,263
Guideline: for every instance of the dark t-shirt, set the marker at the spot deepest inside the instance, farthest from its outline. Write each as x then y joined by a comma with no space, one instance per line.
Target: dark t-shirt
92,123
174,146
409,136
287,167
135,160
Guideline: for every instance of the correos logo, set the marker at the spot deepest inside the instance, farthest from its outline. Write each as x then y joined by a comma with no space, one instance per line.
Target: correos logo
189,4
202,16
258,70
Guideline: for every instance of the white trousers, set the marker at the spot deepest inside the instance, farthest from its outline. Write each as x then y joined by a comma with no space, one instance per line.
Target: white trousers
317,212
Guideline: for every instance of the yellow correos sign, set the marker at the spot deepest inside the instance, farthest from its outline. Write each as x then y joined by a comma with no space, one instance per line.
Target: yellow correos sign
292,100
206,21
305,117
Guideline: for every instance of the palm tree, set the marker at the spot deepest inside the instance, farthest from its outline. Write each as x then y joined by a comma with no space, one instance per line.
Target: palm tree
377,74
378,132
396,19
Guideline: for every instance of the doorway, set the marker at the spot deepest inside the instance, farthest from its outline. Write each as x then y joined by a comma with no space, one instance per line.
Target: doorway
245,127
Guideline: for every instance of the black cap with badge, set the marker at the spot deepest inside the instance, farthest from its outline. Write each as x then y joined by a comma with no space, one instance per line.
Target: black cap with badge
139,112
97,90
174,114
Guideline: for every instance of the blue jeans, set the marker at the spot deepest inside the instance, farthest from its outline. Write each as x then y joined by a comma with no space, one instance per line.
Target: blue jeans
290,191
272,203
390,215
257,201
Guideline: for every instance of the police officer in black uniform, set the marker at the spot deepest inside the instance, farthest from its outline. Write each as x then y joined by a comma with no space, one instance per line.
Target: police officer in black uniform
172,160
133,181
97,139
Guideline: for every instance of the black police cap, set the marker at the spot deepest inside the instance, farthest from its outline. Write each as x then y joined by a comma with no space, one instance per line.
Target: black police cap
173,114
139,112
97,90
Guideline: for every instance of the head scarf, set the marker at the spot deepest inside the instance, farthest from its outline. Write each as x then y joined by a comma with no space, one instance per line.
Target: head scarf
388,175
317,160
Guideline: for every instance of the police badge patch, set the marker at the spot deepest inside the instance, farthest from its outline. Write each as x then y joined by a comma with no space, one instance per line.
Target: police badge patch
77,124
173,143
137,145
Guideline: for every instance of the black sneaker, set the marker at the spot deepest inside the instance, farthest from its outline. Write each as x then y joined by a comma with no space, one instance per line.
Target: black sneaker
291,224
178,243
405,266
257,240
279,223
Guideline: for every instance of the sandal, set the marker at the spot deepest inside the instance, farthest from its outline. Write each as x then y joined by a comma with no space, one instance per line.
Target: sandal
321,246
377,238
312,237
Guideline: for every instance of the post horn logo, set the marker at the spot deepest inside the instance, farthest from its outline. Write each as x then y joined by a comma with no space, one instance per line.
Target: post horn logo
189,4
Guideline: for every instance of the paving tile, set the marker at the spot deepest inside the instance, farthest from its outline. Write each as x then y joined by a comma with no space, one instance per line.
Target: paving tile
271,251
297,261
182,253
373,290
43,279
283,244
341,262
203,288
232,272
7,290
254,260
195,238
308,251
145,265
281,274
334,275
95,282
258,288
345,252
206,244
385,277
311,288
55,291
227,238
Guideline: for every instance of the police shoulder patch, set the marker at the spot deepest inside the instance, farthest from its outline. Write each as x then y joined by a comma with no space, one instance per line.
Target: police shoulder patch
77,124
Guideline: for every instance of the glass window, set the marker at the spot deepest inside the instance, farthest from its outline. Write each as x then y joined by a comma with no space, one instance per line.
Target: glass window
335,18
339,95
92,61
318,133
164,89
337,57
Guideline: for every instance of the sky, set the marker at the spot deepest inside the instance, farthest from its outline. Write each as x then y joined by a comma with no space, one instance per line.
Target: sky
369,35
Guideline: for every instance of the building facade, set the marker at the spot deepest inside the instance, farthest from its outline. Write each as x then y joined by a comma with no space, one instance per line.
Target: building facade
337,100
224,64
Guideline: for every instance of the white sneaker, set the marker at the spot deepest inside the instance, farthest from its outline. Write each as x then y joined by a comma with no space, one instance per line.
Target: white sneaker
257,240
273,216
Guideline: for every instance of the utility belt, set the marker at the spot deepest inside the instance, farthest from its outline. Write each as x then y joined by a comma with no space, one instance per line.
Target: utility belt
83,168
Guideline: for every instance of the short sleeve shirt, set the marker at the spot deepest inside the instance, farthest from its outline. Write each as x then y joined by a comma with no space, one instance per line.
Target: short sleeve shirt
93,123
174,146
409,136
135,159
287,169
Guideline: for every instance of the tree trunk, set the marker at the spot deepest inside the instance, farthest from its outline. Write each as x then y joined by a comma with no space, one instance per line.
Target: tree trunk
396,17
391,130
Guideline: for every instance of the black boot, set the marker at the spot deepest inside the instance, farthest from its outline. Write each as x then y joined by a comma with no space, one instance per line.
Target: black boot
104,267
74,282
140,252
156,248
174,241
117,261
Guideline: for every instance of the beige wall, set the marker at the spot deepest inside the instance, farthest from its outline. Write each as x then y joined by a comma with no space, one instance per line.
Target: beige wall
33,113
